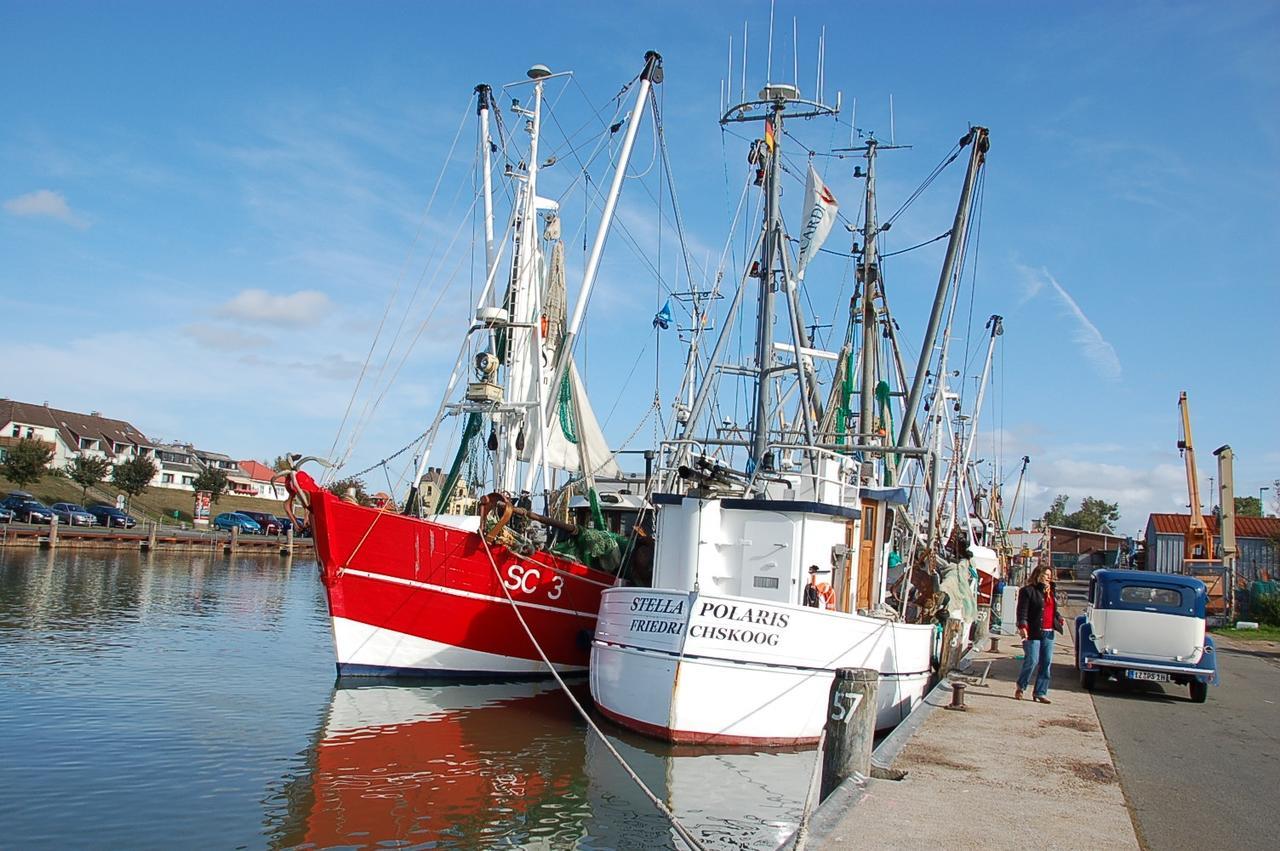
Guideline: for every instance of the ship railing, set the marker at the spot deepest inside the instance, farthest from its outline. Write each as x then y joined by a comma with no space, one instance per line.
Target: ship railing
825,478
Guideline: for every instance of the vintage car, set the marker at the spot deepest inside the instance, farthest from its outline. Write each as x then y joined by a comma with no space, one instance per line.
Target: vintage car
1149,626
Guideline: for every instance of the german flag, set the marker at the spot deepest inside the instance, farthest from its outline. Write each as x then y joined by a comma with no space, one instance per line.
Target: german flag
769,138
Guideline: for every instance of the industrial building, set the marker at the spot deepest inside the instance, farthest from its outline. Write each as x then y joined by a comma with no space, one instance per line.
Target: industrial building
1257,544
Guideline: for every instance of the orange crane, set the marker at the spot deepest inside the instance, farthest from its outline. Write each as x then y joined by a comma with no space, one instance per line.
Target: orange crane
1197,543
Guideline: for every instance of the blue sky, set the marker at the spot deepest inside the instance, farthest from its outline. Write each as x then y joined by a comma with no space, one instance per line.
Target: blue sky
205,210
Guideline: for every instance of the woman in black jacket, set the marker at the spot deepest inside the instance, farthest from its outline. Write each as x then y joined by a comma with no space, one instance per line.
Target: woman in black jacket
1038,617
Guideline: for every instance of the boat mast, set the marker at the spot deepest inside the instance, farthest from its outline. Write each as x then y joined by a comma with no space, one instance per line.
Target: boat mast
651,74
764,319
980,141
870,284
483,105
523,299
996,324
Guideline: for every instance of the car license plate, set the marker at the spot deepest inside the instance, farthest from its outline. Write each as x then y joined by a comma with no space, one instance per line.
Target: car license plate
1153,676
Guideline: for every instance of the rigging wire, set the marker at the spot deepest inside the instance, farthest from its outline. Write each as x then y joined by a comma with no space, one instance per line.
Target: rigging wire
422,222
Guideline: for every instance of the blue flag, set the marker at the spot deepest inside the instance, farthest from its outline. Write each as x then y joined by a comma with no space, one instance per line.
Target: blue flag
662,319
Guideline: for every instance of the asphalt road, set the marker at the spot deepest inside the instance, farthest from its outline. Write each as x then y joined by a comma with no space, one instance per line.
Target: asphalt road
1200,775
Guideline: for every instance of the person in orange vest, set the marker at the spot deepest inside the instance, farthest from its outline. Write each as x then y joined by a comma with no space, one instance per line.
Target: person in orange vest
818,595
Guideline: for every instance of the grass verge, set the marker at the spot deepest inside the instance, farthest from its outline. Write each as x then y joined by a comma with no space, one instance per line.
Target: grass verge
1263,633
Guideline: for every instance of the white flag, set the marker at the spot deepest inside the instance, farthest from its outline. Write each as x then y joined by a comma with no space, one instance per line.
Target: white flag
820,209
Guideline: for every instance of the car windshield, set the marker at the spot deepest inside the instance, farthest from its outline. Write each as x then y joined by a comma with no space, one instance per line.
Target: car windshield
30,503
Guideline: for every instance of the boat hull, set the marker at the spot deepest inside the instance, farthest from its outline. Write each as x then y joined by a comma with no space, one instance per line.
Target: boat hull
709,669
413,597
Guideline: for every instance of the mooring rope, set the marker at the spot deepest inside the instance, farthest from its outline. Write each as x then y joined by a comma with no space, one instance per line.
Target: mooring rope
676,824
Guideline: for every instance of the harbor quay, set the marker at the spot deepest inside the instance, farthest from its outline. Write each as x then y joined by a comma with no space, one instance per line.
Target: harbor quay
1130,765
149,537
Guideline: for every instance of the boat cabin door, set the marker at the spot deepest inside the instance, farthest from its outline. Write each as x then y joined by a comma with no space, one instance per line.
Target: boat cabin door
867,553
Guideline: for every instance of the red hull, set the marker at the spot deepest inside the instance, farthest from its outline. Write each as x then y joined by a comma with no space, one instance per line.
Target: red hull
412,596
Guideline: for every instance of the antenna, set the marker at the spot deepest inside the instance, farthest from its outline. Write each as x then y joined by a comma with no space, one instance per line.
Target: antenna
742,93
853,121
795,57
768,65
728,80
822,62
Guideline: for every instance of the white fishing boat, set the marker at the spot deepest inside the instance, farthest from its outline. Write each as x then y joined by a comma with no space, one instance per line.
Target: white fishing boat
774,537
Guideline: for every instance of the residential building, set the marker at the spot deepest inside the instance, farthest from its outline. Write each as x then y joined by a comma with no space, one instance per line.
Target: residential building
71,434
260,476
1257,544
461,501
178,466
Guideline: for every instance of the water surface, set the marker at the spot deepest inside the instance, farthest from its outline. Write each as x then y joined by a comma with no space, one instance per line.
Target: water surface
178,700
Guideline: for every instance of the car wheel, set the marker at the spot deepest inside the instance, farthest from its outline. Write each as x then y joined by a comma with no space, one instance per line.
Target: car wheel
1088,680
1199,691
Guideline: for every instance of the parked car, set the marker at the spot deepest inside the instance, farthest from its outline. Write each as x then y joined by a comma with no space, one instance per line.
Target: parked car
73,515
233,519
27,508
109,516
284,523
1146,626
7,515
266,521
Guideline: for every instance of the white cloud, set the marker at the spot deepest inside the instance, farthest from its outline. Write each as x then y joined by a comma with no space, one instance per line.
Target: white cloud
45,202
304,307
1096,349
224,339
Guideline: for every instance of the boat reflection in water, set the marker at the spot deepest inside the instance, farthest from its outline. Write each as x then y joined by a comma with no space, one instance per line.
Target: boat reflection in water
510,765
453,766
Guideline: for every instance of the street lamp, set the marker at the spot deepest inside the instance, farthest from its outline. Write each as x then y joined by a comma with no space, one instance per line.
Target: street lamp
1262,511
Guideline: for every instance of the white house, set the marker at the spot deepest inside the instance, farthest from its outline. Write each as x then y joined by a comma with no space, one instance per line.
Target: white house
70,433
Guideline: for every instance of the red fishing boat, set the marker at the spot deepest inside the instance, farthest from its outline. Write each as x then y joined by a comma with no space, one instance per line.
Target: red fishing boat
422,592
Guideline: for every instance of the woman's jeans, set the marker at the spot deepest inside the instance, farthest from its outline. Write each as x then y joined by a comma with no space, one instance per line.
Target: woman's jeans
1036,652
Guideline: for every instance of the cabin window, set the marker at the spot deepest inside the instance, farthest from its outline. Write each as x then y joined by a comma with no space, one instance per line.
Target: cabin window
1146,595
765,582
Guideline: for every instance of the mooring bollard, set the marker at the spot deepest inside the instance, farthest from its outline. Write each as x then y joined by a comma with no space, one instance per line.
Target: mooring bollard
150,543
951,647
957,696
995,644
235,540
53,532
287,549
851,726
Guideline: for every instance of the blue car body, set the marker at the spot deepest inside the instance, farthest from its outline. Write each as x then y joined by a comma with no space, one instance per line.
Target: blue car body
109,515
1143,625
27,508
232,519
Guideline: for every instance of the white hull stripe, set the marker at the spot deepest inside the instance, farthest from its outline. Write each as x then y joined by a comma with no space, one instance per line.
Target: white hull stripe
749,664
458,592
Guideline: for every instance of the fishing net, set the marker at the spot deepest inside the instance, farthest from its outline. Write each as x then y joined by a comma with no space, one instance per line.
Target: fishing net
597,548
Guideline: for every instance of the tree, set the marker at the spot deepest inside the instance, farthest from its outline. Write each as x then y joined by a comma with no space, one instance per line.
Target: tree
280,464
213,480
87,471
1248,506
134,475
1095,515
1057,513
341,487
25,461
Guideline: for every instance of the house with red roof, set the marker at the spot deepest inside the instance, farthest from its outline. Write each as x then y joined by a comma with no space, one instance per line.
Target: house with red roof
259,476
